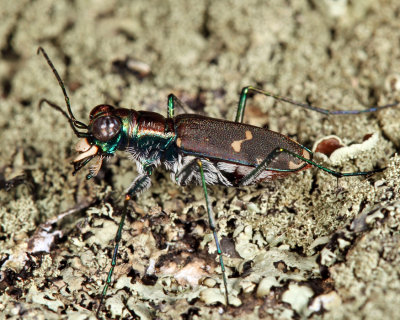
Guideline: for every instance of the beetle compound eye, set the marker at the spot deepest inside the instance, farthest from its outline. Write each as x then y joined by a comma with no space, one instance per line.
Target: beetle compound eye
105,128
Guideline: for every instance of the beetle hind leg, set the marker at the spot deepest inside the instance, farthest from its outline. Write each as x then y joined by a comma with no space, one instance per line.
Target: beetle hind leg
246,90
252,176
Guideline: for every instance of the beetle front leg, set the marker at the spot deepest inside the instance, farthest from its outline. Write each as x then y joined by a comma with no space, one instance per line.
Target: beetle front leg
140,184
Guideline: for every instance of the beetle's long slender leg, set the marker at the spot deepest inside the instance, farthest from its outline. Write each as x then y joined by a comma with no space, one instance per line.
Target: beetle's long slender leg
140,184
257,171
174,101
213,229
245,91
253,175
337,174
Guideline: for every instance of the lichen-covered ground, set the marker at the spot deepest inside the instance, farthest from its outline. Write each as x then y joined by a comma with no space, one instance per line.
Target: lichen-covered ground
302,247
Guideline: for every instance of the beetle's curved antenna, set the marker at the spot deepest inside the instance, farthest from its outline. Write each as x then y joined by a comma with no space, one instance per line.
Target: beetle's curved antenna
78,133
75,124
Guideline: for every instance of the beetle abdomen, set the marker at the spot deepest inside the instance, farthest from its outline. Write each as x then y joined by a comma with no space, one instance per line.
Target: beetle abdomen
237,143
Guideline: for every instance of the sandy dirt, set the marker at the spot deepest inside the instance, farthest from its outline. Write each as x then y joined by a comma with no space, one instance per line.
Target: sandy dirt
302,247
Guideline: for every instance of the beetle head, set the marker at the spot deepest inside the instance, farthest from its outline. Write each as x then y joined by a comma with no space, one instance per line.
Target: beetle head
100,137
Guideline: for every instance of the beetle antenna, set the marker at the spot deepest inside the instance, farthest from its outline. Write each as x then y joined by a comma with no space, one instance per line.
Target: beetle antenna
73,125
71,117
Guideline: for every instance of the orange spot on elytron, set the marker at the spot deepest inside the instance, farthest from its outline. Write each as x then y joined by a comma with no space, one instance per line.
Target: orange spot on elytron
237,145
179,142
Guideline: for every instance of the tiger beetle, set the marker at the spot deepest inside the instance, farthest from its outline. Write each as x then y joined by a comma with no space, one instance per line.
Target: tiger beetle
194,148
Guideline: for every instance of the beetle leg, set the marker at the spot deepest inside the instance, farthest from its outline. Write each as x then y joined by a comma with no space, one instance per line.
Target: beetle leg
243,98
213,229
254,174
245,91
141,183
172,101
183,174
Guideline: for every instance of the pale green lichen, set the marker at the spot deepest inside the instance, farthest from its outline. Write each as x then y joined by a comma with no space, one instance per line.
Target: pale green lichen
298,297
